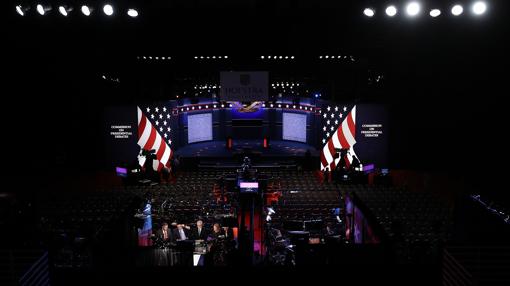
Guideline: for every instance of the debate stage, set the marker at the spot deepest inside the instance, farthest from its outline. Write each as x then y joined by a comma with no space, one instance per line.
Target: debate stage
278,153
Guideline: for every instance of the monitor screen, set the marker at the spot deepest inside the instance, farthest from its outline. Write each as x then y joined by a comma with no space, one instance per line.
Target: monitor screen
200,127
121,172
294,127
249,187
369,167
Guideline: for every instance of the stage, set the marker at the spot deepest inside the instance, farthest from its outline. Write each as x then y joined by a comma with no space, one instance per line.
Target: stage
278,152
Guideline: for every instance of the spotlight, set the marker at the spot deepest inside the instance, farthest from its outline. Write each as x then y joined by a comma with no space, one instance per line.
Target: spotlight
86,10
413,9
435,12
391,11
479,8
21,10
64,10
292,57
262,57
132,13
457,10
108,9
369,12
42,9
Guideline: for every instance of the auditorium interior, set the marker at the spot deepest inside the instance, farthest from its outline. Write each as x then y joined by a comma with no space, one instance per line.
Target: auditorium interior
199,140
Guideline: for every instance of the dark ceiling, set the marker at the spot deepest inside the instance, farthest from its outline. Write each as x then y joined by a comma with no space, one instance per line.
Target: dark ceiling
441,76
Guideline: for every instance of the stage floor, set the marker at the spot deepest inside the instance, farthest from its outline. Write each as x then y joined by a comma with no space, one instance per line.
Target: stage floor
218,149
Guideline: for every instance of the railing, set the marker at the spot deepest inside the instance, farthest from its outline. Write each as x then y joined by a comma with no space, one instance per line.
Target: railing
38,273
476,265
453,272
24,267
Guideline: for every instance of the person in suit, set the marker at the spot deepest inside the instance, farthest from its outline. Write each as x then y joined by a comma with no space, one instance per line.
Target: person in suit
199,233
228,232
181,232
164,235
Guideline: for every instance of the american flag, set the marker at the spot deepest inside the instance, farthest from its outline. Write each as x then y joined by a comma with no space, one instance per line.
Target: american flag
154,134
339,132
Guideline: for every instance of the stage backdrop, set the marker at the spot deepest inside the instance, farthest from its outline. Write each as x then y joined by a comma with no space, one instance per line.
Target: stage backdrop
167,126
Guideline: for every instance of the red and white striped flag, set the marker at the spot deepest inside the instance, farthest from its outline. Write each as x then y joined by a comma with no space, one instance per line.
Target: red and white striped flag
340,133
149,138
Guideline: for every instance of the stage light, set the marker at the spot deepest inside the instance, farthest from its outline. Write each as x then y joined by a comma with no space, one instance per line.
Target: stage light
192,108
226,57
108,9
391,11
133,13
457,10
369,12
223,105
413,9
64,10
287,106
21,10
479,8
230,105
86,10
435,12
271,105
327,57
279,106
42,9
214,106
262,57
292,57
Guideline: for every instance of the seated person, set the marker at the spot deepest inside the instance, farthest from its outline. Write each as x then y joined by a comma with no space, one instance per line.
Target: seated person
199,232
181,232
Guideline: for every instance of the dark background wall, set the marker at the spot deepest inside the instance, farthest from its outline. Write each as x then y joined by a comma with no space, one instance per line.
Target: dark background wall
444,80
